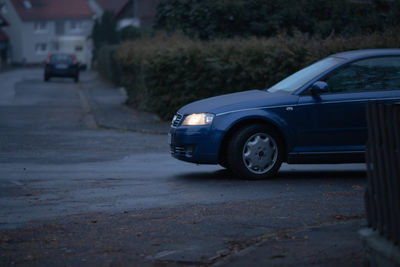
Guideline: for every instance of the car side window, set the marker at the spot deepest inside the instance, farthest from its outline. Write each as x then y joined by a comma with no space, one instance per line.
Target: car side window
373,74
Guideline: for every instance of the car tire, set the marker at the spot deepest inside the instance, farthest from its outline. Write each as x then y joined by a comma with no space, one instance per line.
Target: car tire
255,152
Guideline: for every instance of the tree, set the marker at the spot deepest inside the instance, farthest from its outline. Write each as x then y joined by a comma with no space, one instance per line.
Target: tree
104,31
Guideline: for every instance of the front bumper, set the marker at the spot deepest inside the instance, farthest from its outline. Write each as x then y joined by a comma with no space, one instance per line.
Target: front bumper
196,144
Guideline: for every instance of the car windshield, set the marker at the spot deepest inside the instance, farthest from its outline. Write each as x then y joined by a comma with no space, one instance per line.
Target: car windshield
61,58
300,78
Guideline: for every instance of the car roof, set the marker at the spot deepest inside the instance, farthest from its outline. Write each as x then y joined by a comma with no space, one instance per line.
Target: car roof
356,54
61,54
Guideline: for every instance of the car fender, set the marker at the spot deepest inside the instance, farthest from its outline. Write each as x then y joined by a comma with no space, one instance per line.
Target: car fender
226,121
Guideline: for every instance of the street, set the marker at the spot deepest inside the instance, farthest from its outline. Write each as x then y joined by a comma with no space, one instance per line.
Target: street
85,181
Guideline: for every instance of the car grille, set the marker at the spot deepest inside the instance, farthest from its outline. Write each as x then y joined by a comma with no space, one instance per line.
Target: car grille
176,120
177,150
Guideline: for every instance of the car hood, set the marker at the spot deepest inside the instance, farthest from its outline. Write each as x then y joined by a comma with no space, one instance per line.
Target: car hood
239,101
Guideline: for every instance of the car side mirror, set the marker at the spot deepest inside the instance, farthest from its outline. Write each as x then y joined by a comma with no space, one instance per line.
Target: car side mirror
319,88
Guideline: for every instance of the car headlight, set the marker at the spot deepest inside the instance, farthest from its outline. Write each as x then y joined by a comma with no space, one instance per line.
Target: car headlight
198,119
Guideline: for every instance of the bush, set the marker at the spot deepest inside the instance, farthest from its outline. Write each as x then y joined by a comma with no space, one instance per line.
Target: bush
161,74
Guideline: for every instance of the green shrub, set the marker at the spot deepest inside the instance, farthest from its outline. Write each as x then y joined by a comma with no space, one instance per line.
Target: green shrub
161,74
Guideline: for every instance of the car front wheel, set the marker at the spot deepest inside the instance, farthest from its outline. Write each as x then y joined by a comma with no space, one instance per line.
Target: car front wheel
255,152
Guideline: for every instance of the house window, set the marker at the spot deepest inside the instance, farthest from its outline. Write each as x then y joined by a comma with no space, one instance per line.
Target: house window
76,26
41,48
40,26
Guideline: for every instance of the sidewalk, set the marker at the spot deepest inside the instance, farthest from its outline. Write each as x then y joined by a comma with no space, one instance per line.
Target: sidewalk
108,107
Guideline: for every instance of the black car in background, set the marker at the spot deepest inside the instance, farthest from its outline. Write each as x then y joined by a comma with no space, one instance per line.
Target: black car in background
61,65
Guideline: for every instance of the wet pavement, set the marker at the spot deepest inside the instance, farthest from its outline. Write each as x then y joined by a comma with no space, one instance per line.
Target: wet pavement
87,181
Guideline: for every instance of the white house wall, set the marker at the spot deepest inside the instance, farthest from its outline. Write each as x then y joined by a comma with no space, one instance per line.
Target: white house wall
13,32
33,38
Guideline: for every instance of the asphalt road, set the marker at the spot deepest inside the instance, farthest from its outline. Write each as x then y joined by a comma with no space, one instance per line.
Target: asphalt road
76,193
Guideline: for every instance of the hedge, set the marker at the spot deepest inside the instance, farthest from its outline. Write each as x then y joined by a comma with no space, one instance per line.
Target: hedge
210,19
163,73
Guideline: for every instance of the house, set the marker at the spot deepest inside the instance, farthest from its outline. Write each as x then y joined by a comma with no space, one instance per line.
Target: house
137,13
3,43
40,27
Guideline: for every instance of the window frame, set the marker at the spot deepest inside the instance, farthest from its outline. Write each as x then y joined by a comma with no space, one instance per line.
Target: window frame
39,50
40,26
78,26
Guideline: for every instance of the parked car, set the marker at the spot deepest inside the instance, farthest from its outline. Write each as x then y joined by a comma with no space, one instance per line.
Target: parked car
316,115
61,65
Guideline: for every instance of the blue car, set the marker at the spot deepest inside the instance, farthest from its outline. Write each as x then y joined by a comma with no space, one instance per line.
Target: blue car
316,115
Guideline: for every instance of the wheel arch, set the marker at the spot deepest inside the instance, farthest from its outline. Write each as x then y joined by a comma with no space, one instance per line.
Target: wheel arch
244,123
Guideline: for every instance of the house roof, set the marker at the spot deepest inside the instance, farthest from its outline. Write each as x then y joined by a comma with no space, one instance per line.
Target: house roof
144,10
29,10
123,10
112,5
3,35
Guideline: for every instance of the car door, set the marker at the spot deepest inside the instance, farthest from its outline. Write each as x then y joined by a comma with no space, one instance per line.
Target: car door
336,120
